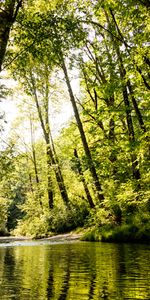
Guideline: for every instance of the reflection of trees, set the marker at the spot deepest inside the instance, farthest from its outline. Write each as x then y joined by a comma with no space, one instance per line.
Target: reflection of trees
65,285
104,291
71,272
50,282
2,256
59,274
131,279
84,271
11,274
92,285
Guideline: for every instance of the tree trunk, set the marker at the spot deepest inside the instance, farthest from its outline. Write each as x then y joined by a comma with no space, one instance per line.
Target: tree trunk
52,159
136,108
80,171
59,175
48,149
135,166
91,166
35,164
122,71
8,14
127,46
49,179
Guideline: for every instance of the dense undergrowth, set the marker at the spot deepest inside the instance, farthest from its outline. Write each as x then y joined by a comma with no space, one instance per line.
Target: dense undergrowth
107,225
132,226
58,221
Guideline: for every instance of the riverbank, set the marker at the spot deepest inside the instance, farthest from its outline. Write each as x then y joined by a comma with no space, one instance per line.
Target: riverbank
66,236
118,234
72,236
126,233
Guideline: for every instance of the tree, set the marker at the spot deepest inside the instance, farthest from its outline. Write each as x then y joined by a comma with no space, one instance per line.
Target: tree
8,14
39,87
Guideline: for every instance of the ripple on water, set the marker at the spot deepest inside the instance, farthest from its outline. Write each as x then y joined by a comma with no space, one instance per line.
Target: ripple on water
62,270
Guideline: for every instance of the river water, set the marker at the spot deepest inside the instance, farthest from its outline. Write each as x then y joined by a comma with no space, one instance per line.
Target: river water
74,271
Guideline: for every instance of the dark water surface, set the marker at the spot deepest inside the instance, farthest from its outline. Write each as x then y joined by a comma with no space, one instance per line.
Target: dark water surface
74,271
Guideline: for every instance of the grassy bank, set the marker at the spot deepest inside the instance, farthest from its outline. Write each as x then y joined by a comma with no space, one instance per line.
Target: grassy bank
123,233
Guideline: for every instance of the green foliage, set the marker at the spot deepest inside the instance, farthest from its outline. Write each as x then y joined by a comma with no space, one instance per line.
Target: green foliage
37,227
63,219
91,235
3,216
127,233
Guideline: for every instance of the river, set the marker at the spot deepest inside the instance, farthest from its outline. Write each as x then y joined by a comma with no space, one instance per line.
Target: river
74,270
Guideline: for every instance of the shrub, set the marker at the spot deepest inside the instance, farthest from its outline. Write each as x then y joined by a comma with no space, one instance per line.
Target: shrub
66,219
3,216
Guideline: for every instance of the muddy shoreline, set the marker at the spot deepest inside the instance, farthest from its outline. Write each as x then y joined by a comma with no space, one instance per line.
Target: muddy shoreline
59,237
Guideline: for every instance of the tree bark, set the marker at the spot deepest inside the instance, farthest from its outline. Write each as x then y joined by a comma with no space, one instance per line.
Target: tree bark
80,171
122,71
52,160
48,149
59,175
35,164
136,108
91,166
8,14
135,166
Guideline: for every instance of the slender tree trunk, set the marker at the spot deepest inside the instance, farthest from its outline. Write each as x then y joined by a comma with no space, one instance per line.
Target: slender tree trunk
8,14
49,179
52,159
59,175
134,161
100,76
135,166
80,171
127,46
48,149
33,154
91,166
35,164
129,85
136,108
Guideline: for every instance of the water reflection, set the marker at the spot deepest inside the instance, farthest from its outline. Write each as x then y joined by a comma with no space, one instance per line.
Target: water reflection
75,271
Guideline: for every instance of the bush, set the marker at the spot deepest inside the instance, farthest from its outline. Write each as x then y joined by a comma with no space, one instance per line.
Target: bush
66,219
134,228
3,216
58,220
36,227
92,235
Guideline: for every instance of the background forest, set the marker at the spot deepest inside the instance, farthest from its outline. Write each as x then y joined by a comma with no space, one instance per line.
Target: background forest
90,58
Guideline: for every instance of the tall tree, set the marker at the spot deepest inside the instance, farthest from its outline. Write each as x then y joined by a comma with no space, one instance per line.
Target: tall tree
8,13
52,160
91,166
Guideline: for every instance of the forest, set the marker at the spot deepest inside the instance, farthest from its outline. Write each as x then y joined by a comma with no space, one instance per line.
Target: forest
77,153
